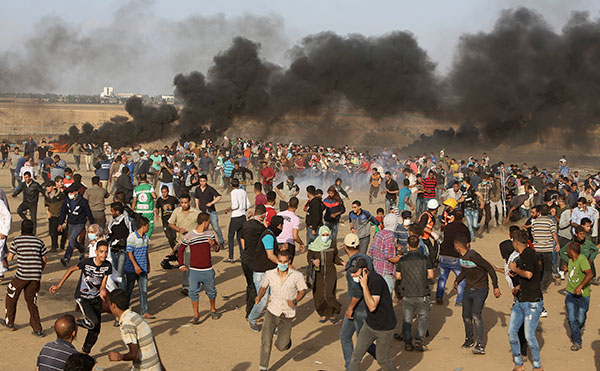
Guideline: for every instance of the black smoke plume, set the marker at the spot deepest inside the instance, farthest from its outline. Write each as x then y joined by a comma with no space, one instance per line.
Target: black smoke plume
523,83
149,123
383,76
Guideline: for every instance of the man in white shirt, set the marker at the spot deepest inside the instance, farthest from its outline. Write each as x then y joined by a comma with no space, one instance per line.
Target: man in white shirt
239,206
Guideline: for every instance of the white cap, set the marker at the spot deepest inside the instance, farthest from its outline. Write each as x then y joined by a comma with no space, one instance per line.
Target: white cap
433,204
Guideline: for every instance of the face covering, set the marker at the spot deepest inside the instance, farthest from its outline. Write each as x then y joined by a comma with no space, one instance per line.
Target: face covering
68,177
276,231
325,238
92,236
282,267
356,279
72,196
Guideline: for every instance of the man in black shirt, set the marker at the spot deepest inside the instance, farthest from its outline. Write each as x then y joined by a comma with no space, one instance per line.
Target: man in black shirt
449,258
165,205
381,320
314,214
90,292
529,302
251,233
206,199
391,192
31,192
414,272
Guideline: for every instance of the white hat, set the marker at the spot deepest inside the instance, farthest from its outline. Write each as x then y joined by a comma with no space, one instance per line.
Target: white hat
433,204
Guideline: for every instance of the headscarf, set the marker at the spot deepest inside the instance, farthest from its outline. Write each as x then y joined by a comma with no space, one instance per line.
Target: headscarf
318,244
390,221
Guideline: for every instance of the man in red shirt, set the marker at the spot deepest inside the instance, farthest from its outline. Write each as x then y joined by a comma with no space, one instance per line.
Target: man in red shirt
267,174
271,198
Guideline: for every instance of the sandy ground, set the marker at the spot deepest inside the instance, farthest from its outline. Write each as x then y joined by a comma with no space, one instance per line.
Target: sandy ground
229,344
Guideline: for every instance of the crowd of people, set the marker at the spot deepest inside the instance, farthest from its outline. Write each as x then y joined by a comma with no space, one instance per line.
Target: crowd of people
435,207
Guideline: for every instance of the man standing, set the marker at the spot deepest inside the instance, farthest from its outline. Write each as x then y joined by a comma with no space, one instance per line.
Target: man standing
31,193
380,322
484,188
251,233
383,250
136,334
286,190
53,203
267,174
528,303
391,192
90,292
545,240
375,183
54,355
291,223
201,274
165,206
30,147
76,210
314,214
414,271
31,261
137,266
360,224
206,198
123,184
143,201
471,201
577,299
239,206
356,312
183,220
287,288
13,159
95,195
449,259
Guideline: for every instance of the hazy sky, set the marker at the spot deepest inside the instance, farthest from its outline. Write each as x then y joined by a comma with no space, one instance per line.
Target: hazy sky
150,41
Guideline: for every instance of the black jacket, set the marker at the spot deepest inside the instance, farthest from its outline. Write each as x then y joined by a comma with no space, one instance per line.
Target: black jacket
31,192
314,213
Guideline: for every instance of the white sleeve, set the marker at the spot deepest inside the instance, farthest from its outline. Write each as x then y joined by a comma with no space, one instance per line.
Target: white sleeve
5,219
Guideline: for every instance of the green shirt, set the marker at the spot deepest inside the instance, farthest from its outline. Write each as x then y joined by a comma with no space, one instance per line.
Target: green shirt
156,160
588,249
576,273
144,203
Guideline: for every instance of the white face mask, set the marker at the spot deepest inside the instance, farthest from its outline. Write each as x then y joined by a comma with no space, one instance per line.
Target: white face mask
72,196
325,238
356,279
406,222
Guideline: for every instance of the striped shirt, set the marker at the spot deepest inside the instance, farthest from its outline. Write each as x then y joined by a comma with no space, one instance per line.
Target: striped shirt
542,229
53,356
199,245
228,167
134,330
29,251
138,245
429,185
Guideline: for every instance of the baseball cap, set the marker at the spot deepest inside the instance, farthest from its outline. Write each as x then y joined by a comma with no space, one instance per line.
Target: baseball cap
357,264
406,214
351,240
291,177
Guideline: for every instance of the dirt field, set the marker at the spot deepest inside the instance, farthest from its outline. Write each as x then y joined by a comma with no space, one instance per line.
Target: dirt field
229,344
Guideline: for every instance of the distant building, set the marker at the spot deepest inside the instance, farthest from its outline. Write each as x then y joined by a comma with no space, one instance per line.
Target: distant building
168,98
126,95
107,91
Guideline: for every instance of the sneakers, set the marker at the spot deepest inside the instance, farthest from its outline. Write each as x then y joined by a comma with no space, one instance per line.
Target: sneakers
457,304
184,292
479,349
5,324
561,274
254,327
64,262
40,334
467,344
575,347
215,315
85,323
164,264
544,313
228,260
116,323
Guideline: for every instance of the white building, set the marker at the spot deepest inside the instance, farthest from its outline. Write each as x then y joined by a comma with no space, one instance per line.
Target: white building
107,91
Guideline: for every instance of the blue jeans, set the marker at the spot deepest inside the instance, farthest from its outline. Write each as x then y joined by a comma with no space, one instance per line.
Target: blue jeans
388,205
473,303
577,308
309,236
257,309
142,280
202,278
334,229
527,313
214,223
390,281
471,218
447,264
118,258
412,306
74,231
349,327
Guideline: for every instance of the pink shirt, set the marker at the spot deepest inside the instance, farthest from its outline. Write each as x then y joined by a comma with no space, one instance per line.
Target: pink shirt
290,222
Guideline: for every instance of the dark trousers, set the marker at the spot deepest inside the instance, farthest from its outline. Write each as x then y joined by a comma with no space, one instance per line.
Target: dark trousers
13,291
235,227
282,342
99,217
546,259
54,233
170,233
250,289
74,231
488,217
473,302
13,178
92,310
266,187
24,206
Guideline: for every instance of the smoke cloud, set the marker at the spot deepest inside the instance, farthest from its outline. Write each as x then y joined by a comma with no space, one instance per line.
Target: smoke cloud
383,76
523,82
136,52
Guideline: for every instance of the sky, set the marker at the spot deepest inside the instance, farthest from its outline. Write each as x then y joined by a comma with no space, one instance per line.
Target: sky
77,47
